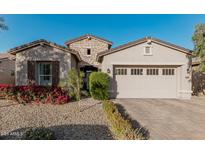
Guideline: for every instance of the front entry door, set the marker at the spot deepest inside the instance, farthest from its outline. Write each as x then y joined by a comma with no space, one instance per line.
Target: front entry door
87,71
87,74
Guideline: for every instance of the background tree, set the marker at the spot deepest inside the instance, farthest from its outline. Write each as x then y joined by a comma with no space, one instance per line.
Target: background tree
2,24
199,45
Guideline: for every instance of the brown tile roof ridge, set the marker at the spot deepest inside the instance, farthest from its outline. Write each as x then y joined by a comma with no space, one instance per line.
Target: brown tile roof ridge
6,56
139,41
43,41
85,36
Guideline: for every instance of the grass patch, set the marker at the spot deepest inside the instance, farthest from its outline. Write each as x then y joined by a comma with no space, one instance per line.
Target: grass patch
121,126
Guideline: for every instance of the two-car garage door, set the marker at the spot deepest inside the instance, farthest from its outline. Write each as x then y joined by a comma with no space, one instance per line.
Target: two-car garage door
145,81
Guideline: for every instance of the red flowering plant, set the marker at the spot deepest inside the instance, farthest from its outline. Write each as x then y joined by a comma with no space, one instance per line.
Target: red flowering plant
5,90
35,94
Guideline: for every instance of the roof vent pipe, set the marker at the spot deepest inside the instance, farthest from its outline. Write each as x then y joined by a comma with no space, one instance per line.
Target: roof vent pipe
149,40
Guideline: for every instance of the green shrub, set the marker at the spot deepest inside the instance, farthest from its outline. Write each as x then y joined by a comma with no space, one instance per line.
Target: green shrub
38,134
122,128
73,83
99,85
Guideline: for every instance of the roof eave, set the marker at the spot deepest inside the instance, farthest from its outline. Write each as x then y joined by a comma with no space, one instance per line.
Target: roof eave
49,44
85,36
128,45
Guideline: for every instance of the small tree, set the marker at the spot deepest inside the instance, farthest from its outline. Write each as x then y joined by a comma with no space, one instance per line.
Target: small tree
199,45
2,24
74,83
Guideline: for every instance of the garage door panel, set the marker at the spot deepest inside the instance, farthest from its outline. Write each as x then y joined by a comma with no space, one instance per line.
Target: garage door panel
146,86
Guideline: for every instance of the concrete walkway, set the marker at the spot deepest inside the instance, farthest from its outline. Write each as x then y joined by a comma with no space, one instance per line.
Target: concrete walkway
169,118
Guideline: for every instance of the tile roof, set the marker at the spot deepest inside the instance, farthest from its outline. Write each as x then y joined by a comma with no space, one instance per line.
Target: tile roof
197,61
139,41
6,56
39,42
86,36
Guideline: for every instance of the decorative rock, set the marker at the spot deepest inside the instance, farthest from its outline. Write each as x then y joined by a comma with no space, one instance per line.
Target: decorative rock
77,120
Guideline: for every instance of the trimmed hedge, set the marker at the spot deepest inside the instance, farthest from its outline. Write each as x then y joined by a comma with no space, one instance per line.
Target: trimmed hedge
38,134
122,128
99,85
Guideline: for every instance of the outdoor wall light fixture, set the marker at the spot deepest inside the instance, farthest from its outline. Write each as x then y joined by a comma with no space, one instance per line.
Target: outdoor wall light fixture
108,70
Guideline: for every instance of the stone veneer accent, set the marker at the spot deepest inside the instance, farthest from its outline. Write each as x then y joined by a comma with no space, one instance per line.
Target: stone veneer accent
95,45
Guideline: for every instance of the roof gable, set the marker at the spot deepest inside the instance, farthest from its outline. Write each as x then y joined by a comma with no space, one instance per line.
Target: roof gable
42,42
6,56
143,40
88,36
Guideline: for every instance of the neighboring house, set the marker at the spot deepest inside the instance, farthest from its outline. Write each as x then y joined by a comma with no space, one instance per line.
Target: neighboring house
146,68
198,78
195,62
7,68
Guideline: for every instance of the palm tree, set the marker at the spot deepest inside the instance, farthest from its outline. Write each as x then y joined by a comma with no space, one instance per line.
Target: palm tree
2,24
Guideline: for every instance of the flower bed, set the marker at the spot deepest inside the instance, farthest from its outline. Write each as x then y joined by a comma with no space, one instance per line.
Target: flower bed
34,94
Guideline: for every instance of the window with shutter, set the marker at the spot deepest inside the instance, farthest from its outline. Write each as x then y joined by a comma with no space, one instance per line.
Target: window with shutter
31,72
55,73
45,73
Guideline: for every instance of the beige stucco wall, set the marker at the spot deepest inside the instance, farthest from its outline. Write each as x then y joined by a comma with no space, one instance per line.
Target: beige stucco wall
7,69
41,53
95,45
74,62
161,56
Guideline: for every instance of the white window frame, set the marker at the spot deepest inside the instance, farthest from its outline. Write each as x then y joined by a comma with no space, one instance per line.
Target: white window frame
136,71
120,71
41,75
168,71
152,71
148,54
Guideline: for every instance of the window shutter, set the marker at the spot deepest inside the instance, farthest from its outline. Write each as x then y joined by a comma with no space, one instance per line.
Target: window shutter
31,72
55,73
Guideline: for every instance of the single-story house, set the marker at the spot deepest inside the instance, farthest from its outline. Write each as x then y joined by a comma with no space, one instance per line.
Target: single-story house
145,68
196,61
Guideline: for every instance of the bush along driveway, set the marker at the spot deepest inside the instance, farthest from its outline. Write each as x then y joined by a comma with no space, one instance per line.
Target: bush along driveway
169,118
122,126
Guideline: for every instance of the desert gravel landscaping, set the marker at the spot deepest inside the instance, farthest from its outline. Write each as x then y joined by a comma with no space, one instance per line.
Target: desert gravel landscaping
76,120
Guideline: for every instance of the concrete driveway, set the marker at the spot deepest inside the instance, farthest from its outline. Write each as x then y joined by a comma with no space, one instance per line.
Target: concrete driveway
169,118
